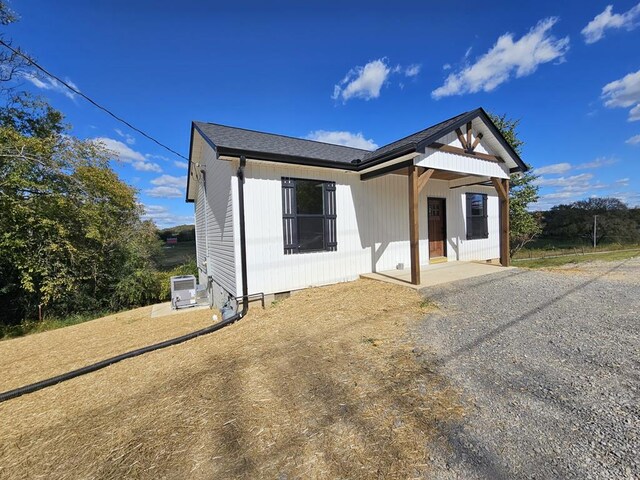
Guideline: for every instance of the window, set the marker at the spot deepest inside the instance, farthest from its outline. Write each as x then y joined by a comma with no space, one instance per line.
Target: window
308,215
477,216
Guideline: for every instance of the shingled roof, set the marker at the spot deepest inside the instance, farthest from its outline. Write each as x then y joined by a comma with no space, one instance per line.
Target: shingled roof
416,138
253,141
234,141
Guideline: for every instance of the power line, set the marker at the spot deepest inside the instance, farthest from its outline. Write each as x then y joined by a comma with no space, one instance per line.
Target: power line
78,92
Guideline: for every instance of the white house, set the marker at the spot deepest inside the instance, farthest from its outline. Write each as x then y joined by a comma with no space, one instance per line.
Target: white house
315,213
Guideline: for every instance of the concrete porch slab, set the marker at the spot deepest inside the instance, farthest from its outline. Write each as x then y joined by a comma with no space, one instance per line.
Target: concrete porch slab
437,274
164,309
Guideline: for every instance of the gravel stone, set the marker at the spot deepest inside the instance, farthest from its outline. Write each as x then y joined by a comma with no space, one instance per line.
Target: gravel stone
548,363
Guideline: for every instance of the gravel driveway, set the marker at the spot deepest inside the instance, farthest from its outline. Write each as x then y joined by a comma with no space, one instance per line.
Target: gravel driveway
548,363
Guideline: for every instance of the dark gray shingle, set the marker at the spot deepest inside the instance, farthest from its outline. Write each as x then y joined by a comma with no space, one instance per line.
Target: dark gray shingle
414,138
250,140
253,141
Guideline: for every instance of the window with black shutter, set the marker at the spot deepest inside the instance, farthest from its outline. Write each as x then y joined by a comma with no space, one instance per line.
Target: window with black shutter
477,216
308,215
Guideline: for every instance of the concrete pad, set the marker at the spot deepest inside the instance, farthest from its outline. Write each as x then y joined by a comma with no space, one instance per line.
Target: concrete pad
437,274
164,309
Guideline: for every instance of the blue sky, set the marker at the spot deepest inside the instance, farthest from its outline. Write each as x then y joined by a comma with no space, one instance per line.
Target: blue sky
361,73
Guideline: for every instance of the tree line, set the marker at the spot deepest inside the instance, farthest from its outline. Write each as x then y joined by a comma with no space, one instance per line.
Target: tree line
72,235
607,220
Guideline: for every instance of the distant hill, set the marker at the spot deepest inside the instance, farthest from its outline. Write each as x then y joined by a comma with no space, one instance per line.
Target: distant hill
184,233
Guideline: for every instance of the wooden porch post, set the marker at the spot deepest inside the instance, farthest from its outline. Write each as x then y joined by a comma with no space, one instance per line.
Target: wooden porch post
505,229
414,229
502,187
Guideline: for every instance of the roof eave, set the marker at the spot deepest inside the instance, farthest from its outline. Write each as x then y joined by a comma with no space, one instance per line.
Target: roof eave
287,159
187,199
521,166
420,146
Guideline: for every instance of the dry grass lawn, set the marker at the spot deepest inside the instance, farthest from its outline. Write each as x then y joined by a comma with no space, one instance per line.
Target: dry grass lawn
324,384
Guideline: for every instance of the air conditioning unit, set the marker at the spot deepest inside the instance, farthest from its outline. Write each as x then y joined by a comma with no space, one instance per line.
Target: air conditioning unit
183,291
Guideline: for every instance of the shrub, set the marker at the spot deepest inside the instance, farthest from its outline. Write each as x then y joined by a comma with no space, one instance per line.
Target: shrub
142,287
187,268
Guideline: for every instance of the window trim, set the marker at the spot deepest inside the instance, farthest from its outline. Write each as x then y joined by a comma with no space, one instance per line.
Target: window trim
471,235
290,216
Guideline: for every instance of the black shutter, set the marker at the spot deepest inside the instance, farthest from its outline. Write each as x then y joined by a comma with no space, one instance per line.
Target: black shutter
330,234
469,218
485,214
289,223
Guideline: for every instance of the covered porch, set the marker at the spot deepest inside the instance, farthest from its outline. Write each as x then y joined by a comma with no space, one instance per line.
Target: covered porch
461,160
436,274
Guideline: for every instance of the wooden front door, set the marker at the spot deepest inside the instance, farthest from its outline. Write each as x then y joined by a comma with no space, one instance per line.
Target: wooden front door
437,225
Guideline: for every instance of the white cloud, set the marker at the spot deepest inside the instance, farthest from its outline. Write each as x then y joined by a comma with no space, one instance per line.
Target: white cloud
169,181
165,218
624,93
48,83
127,138
348,139
158,157
446,66
570,183
180,164
147,167
565,196
595,29
559,168
576,187
363,82
164,192
635,140
632,199
122,151
597,163
556,168
167,186
126,154
506,58
413,70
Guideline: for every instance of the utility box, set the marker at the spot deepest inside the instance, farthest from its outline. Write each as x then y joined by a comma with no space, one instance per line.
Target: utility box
183,291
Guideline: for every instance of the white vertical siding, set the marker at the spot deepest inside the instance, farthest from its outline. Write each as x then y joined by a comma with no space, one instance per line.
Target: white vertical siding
460,163
458,247
452,139
372,228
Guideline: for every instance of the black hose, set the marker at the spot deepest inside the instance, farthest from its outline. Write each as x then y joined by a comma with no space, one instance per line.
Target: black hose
34,387
110,361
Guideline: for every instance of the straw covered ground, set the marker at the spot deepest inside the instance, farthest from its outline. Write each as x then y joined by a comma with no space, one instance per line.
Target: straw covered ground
324,384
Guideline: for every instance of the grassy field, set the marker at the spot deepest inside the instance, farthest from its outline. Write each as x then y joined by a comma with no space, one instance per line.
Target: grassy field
175,255
29,327
324,384
569,259
545,248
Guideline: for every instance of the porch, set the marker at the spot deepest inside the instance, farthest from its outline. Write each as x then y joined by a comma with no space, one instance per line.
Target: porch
471,164
436,274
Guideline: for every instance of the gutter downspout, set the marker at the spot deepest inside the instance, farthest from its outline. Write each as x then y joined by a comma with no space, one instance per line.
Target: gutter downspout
34,387
243,238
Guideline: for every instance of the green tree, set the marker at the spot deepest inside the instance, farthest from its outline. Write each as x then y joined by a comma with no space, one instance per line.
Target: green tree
70,230
616,223
12,65
72,238
524,225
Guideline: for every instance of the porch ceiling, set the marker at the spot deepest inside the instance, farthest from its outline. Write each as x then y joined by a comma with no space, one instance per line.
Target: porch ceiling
437,175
